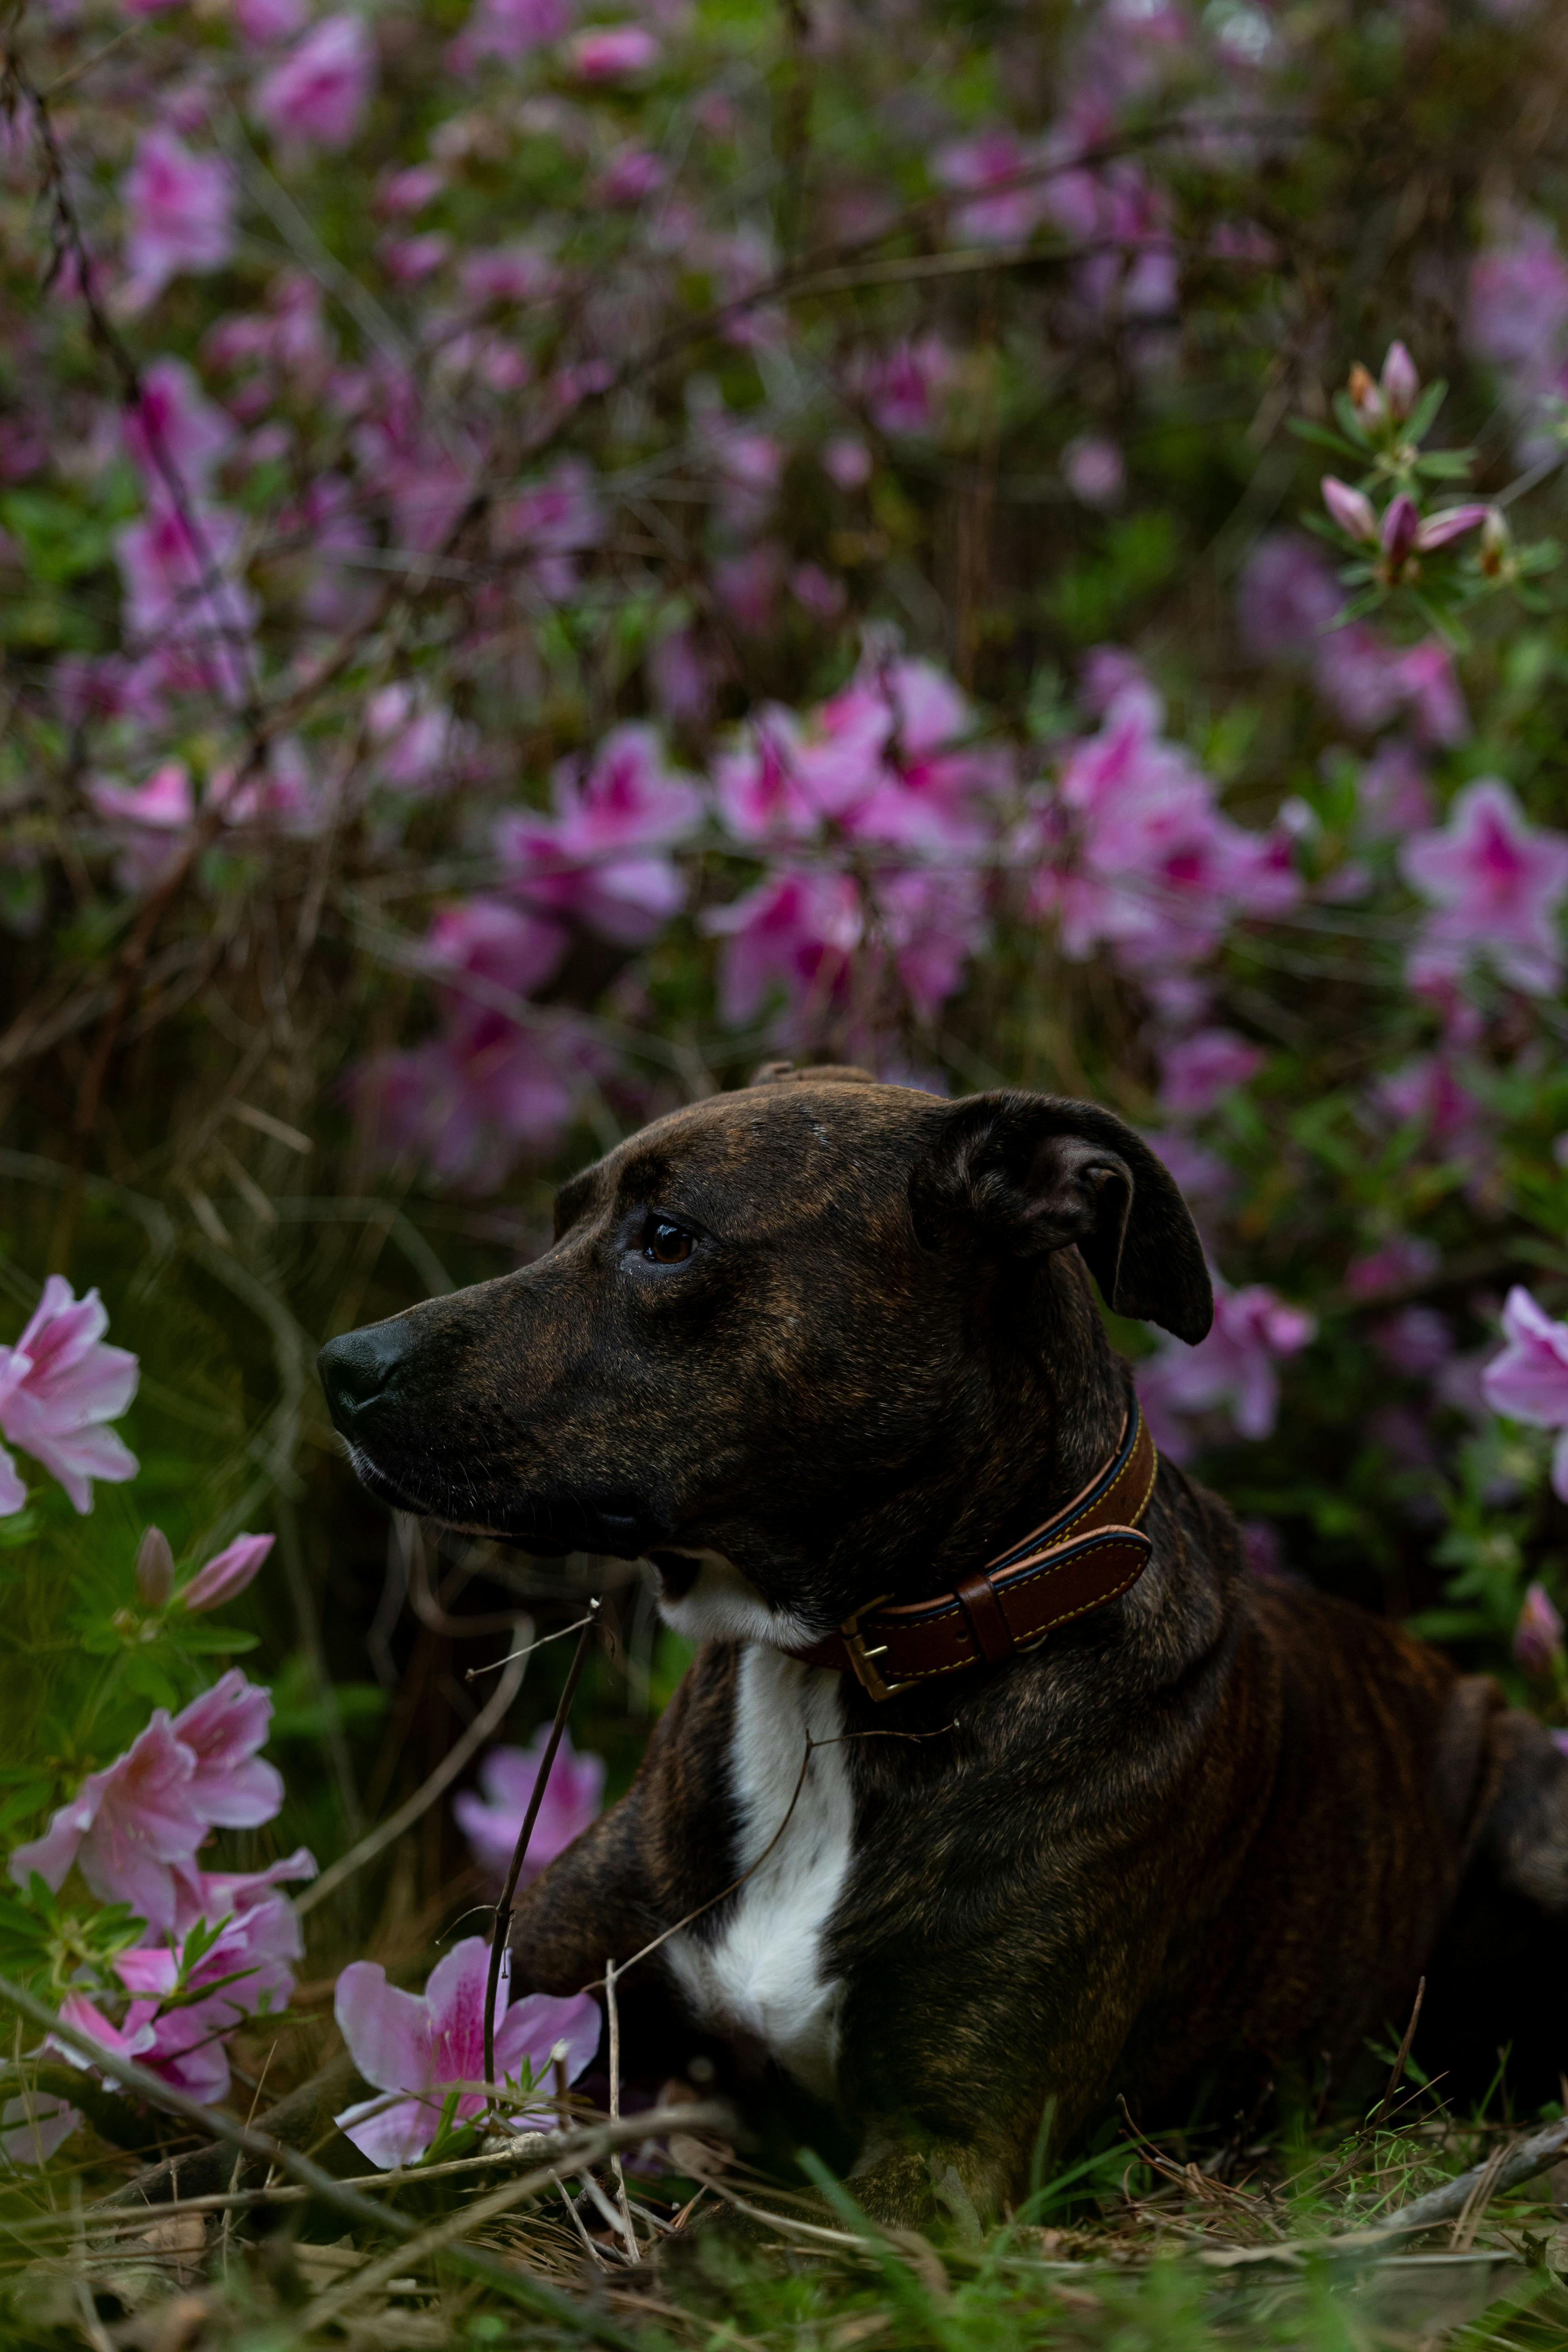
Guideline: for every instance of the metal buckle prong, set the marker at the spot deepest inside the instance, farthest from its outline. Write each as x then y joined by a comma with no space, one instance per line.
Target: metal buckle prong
860,1658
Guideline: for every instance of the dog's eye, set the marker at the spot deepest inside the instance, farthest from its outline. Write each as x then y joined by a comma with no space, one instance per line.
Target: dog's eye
663,1244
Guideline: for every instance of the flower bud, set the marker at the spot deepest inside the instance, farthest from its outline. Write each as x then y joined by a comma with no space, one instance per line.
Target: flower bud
1365,398
1352,509
1401,384
1449,524
154,1569
226,1573
1496,542
1401,522
1538,1636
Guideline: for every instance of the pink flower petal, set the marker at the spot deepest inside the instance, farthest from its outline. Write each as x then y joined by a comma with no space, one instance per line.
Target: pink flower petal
231,1786
533,2025
390,2135
387,2030
33,2127
13,1493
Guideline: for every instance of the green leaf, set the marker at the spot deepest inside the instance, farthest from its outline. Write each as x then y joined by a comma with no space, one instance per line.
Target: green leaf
213,1641
1305,430
1419,423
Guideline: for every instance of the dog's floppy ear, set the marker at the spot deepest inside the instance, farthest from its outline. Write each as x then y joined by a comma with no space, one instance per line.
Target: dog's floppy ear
1034,1173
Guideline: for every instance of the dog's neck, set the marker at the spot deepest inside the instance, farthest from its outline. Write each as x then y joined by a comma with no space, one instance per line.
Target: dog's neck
1021,1431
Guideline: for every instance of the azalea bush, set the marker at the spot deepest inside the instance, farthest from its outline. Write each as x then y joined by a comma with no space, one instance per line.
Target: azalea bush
552,553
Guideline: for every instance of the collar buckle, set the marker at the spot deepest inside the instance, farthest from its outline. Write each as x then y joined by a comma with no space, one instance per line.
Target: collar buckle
860,1658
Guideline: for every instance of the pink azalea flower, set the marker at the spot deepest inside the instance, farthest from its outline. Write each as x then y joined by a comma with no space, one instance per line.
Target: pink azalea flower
419,743
147,820
405,193
126,1826
1498,883
823,596
502,945
1287,597
513,273
34,2125
1232,1371
554,522
179,214
467,1100
987,163
935,924
764,786
174,427
846,462
612,52
1529,1381
1429,689
422,2046
746,586
1453,1120
59,1385
176,566
409,261
1094,470
903,388
629,178
1357,674
227,1574
1404,1257
264,22
600,858
1392,796
319,93
165,802
213,1893
491,1822
230,1786
510,29
1199,1071
1153,868
748,464
257,1945
1517,318
1205,1179
795,930
1418,1342
1538,1636
682,676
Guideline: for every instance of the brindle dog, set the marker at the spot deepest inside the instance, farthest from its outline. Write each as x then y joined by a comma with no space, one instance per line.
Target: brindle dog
825,1340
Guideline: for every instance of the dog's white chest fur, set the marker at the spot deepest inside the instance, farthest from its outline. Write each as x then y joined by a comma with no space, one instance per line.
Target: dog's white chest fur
762,1972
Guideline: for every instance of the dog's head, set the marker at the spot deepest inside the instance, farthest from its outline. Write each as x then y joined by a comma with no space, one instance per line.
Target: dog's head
785,1332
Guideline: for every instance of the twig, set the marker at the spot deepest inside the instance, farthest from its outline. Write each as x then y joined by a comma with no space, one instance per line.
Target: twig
613,2010
544,1640
1397,2073
611,2217
489,1718
503,1920
595,2256
1519,2163
1480,2196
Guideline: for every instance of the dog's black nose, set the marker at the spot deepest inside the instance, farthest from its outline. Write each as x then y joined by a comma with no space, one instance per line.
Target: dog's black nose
358,1368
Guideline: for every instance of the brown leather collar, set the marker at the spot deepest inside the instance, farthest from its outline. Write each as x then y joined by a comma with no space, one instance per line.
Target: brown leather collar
1092,1550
